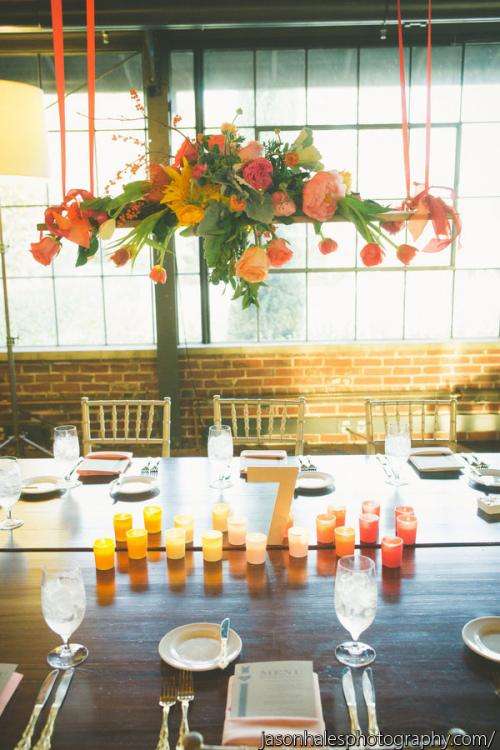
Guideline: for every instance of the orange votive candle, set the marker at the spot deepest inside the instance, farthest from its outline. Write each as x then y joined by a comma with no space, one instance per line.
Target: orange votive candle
104,553
186,522
371,506
152,518
368,528
298,541
122,522
344,540
256,544
137,543
402,509
325,528
406,527
339,511
236,530
211,542
220,514
175,543
392,551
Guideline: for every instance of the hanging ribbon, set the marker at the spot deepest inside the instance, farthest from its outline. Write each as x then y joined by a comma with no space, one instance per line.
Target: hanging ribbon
91,87
428,84
405,129
58,45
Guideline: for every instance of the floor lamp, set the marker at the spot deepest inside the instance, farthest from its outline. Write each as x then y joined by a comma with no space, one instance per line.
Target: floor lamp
23,153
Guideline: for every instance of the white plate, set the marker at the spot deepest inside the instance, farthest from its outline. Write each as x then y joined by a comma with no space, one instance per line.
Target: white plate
312,482
134,485
43,485
197,646
483,636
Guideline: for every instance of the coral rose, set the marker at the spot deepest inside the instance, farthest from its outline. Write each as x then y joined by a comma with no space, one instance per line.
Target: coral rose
406,253
291,159
219,141
45,250
320,196
327,246
237,204
158,275
372,254
258,173
253,265
198,171
188,150
283,205
279,252
253,150
121,256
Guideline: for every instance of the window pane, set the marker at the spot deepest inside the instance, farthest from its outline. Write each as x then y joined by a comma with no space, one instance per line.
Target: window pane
380,305
19,230
113,153
332,308
428,305
281,91
129,310
189,309
445,93
114,108
64,263
480,160
182,87
481,94
80,319
228,321
228,80
338,149
479,244
476,312
344,234
282,312
380,163
379,91
332,86
77,169
23,191
31,306
442,162
296,236
187,254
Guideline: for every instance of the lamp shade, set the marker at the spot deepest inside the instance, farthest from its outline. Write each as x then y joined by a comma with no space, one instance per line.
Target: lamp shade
23,143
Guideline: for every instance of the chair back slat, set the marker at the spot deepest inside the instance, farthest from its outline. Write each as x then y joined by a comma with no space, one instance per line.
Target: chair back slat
102,422
114,421
151,415
126,419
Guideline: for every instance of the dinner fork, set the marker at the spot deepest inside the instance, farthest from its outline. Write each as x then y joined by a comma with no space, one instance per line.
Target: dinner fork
185,694
168,698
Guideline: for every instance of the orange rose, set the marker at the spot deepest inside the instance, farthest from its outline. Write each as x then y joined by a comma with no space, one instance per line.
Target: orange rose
158,275
237,204
291,159
253,265
219,141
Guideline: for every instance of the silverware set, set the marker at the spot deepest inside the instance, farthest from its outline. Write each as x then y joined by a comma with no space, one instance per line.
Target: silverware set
45,739
152,467
352,706
474,462
177,687
385,463
306,464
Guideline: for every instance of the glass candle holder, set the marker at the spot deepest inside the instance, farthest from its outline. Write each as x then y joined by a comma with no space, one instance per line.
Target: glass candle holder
339,511
122,522
298,541
220,515
236,530
399,509
175,543
152,518
406,527
368,528
392,551
371,506
137,543
211,542
104,554
344,541
325,528
256,544
186,522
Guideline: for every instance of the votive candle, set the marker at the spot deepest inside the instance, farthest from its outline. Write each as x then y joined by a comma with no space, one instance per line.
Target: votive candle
406,527
137,543
339,511
122,522
371,506
220,515
325,528
368,528
175,543
236,530
256,544
402,509
211,542
344,540
298,541
392,551
104,553
186,522
152,518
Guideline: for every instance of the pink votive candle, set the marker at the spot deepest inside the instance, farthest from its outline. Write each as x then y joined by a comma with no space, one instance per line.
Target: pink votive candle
236,530
368,528
256,544
339,511
406,527
402,509
325,528
298,541
371,506
392,551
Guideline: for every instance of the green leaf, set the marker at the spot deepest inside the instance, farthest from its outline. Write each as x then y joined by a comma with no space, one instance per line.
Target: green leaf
212,247
260,208
82,256
212,220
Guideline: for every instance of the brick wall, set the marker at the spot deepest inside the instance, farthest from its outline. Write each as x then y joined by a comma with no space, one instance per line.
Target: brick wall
335,380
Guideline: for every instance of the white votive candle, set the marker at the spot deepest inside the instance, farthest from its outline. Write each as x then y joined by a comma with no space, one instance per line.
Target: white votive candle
186,522
298,541
236,530
256,544
220,514
175,543
212,545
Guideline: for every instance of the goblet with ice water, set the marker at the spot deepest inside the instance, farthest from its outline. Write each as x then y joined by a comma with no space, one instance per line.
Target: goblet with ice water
355,605
10,490
63,607
220,453
397,450
66,447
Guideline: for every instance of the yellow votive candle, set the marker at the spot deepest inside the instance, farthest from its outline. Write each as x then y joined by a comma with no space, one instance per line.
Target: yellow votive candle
137,543
152,518
256,544
211,542
186,522
236,530
104,553
220,515
325,528
298,541
122,522
344,541
175,543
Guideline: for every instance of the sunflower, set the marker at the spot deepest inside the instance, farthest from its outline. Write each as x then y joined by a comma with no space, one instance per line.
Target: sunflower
185,197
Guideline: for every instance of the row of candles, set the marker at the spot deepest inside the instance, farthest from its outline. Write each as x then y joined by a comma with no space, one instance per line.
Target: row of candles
330,530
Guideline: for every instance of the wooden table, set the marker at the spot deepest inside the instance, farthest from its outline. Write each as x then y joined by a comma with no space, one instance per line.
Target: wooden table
446,508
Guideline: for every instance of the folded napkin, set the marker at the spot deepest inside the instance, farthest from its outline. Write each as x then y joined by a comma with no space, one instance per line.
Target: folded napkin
431,450
9,684
104,464
436,464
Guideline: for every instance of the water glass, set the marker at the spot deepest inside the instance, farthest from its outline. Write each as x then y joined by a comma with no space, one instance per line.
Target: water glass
397,450
220,453
63,607
10,490
355,606
66,448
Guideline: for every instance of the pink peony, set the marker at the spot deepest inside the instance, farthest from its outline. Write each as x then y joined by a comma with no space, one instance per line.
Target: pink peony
283,205
321,193
251,151
279,252
258,173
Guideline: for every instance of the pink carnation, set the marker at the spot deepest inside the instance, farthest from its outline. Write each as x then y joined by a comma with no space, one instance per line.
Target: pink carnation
251,151
283,205
321,193
198,171
258,173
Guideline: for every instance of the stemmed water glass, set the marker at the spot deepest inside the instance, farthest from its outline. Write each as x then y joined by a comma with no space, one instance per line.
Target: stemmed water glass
66,448
63,607
397,450
220,453
355,606
10,490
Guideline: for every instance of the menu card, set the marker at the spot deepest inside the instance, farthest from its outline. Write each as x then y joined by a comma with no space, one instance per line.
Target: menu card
9,680
274,688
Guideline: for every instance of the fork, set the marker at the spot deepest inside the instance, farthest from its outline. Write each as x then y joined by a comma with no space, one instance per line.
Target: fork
154,468
185,694
146,468
168,698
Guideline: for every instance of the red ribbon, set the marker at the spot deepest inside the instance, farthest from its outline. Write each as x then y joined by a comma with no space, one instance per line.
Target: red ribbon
428,82
91,87
58,45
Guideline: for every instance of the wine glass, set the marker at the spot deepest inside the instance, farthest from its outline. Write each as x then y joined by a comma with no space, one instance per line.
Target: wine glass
397,450
220,453
66,448
10,490
355,605
63,607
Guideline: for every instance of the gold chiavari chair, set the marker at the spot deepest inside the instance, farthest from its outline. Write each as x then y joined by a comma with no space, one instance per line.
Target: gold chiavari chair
259,421
144,422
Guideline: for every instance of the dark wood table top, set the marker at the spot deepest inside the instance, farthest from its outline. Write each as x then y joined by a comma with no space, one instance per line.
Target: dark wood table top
446,508
425,677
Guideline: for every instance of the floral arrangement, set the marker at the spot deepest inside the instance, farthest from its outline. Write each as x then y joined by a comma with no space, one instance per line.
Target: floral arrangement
235,195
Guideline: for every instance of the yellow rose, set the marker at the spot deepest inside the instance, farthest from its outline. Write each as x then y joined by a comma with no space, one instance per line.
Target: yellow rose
190,214
253,265
346,179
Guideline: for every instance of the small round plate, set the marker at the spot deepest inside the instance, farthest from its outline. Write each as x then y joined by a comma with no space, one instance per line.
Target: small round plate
131,485
314,483
483,636
196,646
42,485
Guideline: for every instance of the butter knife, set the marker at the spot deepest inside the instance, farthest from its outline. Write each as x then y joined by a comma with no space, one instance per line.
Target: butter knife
224,635
369,696
41,699
44,741
350,699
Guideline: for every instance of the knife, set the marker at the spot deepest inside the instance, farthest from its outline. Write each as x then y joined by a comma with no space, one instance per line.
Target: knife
44,741
350,699
224,635
369,696
44,692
